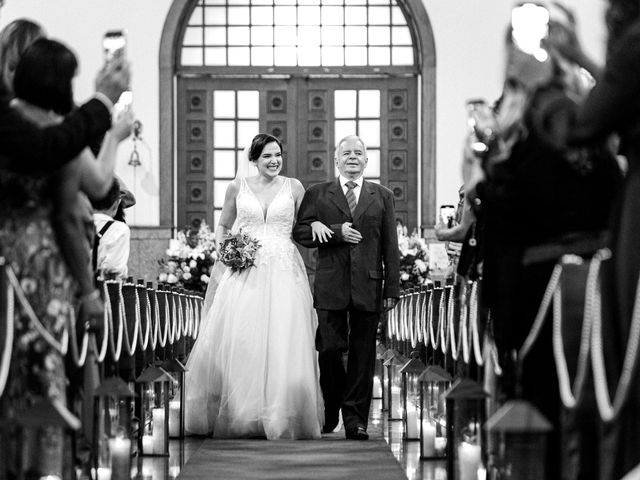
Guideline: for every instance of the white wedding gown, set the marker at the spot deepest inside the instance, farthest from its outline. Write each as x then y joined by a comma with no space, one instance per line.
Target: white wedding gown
253,370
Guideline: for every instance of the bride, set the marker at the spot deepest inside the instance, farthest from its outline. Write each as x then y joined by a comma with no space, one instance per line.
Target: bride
253,370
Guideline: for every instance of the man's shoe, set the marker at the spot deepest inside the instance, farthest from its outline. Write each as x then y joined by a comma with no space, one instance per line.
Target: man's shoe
358,433
331,420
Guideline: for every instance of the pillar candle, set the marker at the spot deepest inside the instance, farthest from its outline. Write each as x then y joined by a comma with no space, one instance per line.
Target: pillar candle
174,472
147,444
158,430
412,423
441,445
104,473
428,439
120,458
482,474
468,461
174,418
395,401
377,387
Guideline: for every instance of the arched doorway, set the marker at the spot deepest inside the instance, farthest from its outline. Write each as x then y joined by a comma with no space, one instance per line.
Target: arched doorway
308,72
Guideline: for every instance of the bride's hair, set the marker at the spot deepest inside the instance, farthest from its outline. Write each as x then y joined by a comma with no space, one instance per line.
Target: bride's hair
259,142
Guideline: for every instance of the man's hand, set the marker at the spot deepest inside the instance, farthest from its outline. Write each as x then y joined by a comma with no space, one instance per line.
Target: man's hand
350,235
91,313
114,78
320,232
389,303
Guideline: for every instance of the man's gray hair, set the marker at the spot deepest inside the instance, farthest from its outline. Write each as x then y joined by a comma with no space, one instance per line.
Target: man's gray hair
344,139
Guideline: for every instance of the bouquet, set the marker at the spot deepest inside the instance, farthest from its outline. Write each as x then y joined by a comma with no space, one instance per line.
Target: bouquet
238,251
191,256
414,260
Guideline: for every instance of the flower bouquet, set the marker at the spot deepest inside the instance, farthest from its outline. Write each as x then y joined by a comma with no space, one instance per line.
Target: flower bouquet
238,251
414,260
191,256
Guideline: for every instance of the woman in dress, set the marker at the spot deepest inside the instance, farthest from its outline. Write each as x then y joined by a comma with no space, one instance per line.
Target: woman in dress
253,371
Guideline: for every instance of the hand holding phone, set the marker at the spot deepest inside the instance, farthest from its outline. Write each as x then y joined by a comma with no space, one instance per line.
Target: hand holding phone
529,27
114,43
447,213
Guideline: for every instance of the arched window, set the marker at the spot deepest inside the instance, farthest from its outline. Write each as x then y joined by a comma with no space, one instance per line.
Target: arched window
309,72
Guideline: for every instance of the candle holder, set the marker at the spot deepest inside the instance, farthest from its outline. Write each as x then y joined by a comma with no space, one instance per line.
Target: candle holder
465,403
40,431
518,434
176,397
434,382
153,431
394,386
112,419
385,378
410,372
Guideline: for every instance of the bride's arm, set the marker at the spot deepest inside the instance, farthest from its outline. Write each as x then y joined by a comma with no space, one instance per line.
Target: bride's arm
228,215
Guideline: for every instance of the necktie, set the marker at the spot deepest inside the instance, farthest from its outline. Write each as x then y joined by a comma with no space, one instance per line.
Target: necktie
351,197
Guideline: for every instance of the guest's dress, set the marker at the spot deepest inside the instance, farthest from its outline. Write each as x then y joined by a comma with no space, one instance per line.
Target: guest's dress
253,371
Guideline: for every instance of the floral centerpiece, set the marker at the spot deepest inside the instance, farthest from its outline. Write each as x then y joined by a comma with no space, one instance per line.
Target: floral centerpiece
192,254
414,259
238,251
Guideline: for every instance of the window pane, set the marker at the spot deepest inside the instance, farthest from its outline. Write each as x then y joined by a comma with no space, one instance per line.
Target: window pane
345,103
355,15
309,55
224,133
191,56
286,35
215,16
332,35
369,131
248,104
239,56
355,35
238,15
193,36
215,36
285,56
355,2
309,36
355,55
402,55
224,104
308,15
214,2
397,17
373,166
215,56
401,36
262,15
262,56
379,36
332,56
196,16
224,163
219,190
379,56
246,131
379,16
285,15
332,16
369,103
344,128
262,35
309,2
239,36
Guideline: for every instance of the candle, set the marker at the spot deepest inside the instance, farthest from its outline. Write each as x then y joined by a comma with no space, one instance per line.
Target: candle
428,439
412,423
395,401
377,387
158,430
174,418
468,461
174,472
147,444
441,445
482,474
120,458
104,473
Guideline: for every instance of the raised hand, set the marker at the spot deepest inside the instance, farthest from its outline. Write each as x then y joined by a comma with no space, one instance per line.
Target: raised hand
114,78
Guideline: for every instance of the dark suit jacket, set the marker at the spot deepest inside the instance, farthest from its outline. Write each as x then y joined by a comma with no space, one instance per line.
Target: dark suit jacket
364,273
26,148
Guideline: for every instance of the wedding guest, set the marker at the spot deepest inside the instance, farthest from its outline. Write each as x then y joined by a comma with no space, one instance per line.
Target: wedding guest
352,223
14,40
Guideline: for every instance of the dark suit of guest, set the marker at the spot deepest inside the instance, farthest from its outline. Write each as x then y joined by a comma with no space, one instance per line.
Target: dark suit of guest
350,284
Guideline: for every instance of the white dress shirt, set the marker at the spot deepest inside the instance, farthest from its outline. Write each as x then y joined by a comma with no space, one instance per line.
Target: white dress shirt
356,190
113,249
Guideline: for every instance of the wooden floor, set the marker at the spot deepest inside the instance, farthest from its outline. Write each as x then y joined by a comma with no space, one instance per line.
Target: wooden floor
384,456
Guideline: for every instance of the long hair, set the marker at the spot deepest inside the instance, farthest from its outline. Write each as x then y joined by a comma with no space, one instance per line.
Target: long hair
14,40
620,14
259,142
44,76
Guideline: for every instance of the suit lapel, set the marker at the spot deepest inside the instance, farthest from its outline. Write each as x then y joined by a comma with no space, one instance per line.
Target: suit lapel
365,199
337,197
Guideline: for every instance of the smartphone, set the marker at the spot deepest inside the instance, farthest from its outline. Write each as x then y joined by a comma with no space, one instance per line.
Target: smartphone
447,213
114,43
529,27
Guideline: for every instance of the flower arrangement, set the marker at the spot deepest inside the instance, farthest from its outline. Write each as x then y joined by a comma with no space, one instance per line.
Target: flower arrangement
414,259
238,251
192,254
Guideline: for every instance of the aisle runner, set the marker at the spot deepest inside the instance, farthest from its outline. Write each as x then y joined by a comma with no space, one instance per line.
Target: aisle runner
332,458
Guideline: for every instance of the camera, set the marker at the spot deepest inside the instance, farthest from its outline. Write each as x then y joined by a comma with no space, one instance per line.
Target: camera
447,212
529,27
114,43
